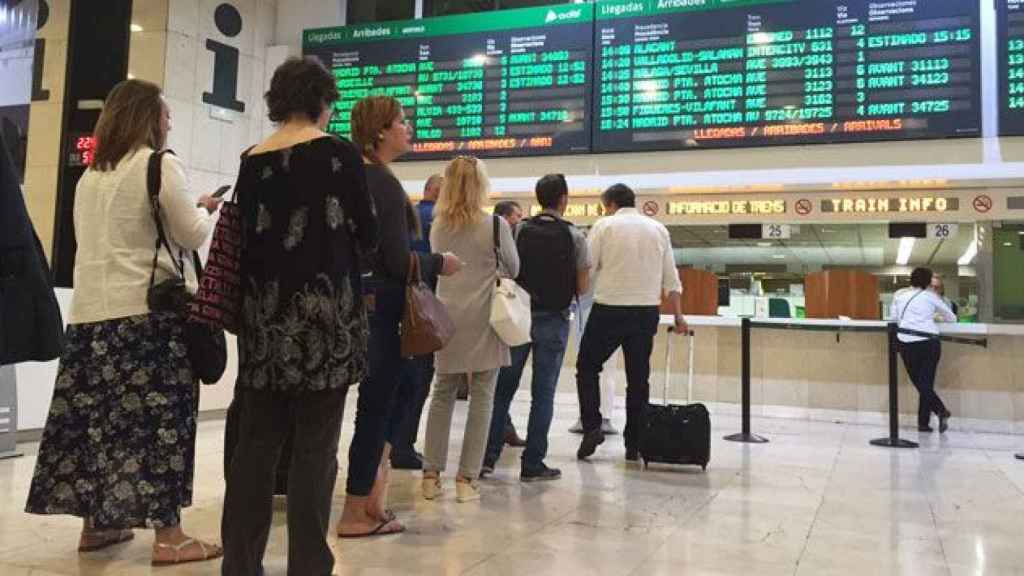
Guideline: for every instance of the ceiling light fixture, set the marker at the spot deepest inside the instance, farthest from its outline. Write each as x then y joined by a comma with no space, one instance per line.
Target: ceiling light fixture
969,254
136,28
905,250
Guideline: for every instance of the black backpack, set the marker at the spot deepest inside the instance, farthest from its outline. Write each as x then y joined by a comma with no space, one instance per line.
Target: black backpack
547,255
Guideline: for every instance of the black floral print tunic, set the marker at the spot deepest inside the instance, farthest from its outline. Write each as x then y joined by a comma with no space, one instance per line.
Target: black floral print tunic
307,218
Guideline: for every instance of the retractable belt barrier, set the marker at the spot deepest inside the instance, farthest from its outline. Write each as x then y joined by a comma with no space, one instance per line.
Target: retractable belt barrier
891,328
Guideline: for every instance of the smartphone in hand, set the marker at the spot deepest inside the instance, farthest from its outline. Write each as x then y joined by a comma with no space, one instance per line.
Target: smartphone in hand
221,191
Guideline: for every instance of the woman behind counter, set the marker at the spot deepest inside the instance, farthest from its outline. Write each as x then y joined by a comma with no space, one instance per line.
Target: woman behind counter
916,308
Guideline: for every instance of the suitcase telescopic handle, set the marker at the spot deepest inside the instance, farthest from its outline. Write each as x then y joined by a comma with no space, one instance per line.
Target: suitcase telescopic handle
668,367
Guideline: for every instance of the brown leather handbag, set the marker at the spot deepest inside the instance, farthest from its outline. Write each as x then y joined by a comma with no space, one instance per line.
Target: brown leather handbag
426,326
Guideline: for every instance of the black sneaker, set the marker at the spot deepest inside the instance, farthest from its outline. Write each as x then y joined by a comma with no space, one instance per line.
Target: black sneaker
410,461
926,429
944,423
486,470
632,455
539,474
591,440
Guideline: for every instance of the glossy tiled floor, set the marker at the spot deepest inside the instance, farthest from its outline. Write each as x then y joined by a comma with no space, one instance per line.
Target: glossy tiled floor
817,500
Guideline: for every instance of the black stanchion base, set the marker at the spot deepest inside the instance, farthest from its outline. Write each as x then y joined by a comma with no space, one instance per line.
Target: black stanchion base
747,438
1020,456
894,443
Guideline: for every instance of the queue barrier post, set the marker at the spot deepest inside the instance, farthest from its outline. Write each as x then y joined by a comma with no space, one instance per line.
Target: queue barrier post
894,440
745,436
8,412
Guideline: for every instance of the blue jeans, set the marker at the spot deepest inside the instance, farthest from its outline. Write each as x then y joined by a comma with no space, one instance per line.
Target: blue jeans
550,333
377,392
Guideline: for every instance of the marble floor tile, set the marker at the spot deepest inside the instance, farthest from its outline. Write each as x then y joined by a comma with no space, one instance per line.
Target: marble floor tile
817,500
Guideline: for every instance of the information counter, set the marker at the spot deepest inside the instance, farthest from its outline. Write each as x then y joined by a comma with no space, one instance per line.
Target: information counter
820,375
839,375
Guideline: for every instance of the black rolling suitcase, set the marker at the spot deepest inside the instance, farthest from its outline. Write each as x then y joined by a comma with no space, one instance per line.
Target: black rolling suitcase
677,434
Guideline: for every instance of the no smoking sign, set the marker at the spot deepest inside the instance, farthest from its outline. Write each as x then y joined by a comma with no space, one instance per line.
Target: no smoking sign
803,207
982,203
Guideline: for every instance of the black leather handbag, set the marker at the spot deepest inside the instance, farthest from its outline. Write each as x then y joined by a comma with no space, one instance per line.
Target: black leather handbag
207,346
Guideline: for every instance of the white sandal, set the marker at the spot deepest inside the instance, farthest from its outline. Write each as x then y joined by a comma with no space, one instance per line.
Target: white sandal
209,553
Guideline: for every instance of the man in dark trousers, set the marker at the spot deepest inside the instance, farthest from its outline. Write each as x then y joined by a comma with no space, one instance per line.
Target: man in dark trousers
633,266
417,373
555,268
512,212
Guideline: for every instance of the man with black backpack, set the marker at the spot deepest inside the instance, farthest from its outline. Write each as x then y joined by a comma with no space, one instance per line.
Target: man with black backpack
554,269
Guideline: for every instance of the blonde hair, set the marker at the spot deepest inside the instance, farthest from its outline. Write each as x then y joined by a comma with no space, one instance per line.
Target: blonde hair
463,193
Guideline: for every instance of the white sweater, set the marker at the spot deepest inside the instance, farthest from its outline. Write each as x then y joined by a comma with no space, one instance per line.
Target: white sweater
116,236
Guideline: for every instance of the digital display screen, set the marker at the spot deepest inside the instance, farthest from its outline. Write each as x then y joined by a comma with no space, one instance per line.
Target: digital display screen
510,83
1010,17
711,73
81,150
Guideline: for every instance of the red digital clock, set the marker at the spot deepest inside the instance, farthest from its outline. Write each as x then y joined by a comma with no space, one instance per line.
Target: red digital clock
82,150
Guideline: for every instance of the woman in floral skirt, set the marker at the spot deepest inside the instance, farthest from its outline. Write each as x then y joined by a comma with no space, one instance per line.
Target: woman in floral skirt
119,444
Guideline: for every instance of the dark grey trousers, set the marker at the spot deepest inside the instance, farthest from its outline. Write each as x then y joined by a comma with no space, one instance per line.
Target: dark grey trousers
264,421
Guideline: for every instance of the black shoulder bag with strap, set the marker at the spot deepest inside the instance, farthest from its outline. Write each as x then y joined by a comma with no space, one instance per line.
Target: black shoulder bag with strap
207,346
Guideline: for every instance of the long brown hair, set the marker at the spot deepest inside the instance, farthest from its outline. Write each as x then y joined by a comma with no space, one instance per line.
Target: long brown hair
370,117
130,120
463,193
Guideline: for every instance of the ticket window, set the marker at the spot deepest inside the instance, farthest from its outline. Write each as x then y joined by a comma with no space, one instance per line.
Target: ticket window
1008,272
767,278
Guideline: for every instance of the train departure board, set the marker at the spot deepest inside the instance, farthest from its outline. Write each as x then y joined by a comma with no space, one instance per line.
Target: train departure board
1011,66
711,73
510,83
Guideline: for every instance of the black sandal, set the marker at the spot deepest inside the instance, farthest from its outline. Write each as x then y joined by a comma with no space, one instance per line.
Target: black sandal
378,531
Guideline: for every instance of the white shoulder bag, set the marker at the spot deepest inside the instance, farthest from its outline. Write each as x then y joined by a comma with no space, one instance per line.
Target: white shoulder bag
511,318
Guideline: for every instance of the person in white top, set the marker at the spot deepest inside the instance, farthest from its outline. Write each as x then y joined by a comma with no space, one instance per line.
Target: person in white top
633,267
119,443
915,309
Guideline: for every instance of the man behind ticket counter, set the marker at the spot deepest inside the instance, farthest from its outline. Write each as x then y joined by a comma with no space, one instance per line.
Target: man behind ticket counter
633,265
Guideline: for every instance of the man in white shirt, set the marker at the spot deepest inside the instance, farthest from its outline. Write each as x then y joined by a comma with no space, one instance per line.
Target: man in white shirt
633,265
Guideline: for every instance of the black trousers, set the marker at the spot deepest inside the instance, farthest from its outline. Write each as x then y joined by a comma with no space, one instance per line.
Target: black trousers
416,376
231,440
609,327
922,360
265,419
379,390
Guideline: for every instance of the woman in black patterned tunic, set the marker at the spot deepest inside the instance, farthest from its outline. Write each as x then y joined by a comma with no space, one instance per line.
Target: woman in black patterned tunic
303,337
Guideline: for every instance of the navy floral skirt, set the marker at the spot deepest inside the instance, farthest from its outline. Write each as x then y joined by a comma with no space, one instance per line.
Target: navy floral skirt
119,442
